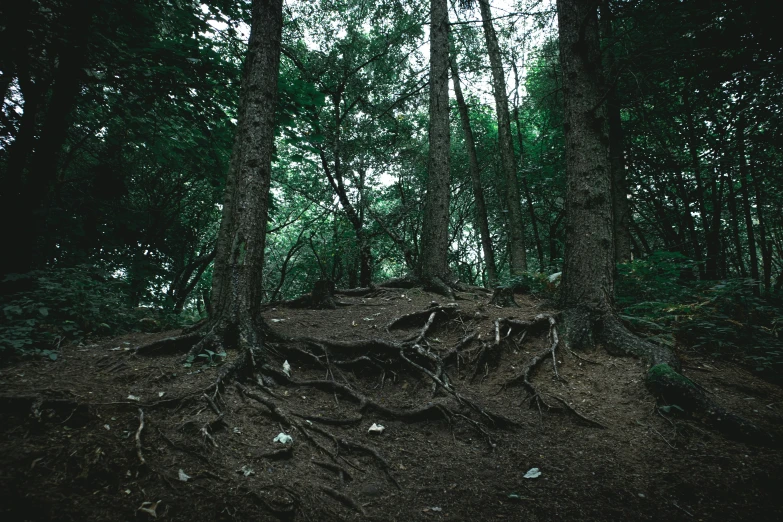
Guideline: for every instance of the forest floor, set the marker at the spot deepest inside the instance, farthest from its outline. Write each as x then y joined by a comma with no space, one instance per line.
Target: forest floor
73,445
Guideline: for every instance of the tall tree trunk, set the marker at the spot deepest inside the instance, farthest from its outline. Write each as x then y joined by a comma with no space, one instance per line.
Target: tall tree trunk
516,231
433,261
237,279
32,168
712,236
525,184
475,176
732,203
764,243
621,208
587,287
754,262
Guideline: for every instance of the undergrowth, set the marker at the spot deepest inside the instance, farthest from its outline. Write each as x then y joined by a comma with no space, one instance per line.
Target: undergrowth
720,318
44,309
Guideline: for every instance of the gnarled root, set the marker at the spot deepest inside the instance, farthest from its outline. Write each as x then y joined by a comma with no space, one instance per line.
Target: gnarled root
663,378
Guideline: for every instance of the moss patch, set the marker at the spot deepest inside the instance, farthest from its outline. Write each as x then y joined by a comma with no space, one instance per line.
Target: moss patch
665,375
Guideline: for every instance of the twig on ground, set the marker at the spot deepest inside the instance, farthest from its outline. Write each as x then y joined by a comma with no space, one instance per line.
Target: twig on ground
139,453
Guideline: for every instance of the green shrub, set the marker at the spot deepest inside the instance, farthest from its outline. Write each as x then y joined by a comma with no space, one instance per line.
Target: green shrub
44,309
721,318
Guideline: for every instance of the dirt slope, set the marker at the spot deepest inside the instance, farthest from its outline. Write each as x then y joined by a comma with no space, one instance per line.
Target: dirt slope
71,447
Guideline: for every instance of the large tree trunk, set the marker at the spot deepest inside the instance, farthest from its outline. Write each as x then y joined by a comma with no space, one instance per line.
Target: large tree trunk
587,287
475,176
236,281
516,231
433,261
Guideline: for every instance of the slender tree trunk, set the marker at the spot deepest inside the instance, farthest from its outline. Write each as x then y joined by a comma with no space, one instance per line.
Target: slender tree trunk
525,184
754,262
475,176
516,231
712,235
732,204
237,279
621,208
766,250
433,261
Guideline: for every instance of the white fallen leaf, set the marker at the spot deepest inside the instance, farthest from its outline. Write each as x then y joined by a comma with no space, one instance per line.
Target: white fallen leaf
283,438
133,398
287,368
150,508
376,428
237,430
247,470
183,476
107,427
436,509
277,320
533,473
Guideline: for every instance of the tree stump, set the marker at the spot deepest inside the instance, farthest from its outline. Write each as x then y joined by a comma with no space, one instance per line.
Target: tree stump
322,295
503,296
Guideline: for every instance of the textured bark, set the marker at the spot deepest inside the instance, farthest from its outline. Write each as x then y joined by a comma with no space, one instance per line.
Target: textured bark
516,232
433,261
237,285
621,208
587,286
475,176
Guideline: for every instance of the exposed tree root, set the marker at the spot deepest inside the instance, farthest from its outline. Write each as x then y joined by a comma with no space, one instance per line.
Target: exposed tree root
417,317
586,326
345,499
139,452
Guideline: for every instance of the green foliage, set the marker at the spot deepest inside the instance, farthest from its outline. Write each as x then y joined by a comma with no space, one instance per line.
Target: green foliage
720,318
44,309
536,284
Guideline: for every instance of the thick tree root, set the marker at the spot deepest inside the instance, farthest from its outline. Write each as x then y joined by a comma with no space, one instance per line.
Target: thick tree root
673,388
586,326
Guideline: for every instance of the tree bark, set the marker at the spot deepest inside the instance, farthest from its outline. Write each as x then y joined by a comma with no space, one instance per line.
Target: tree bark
621,208
516,232
525,184
754,262
475,176
712,235
433,261
764,243
732,204
237,277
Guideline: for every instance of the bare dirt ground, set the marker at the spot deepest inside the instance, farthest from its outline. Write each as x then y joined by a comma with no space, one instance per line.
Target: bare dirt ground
73,448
